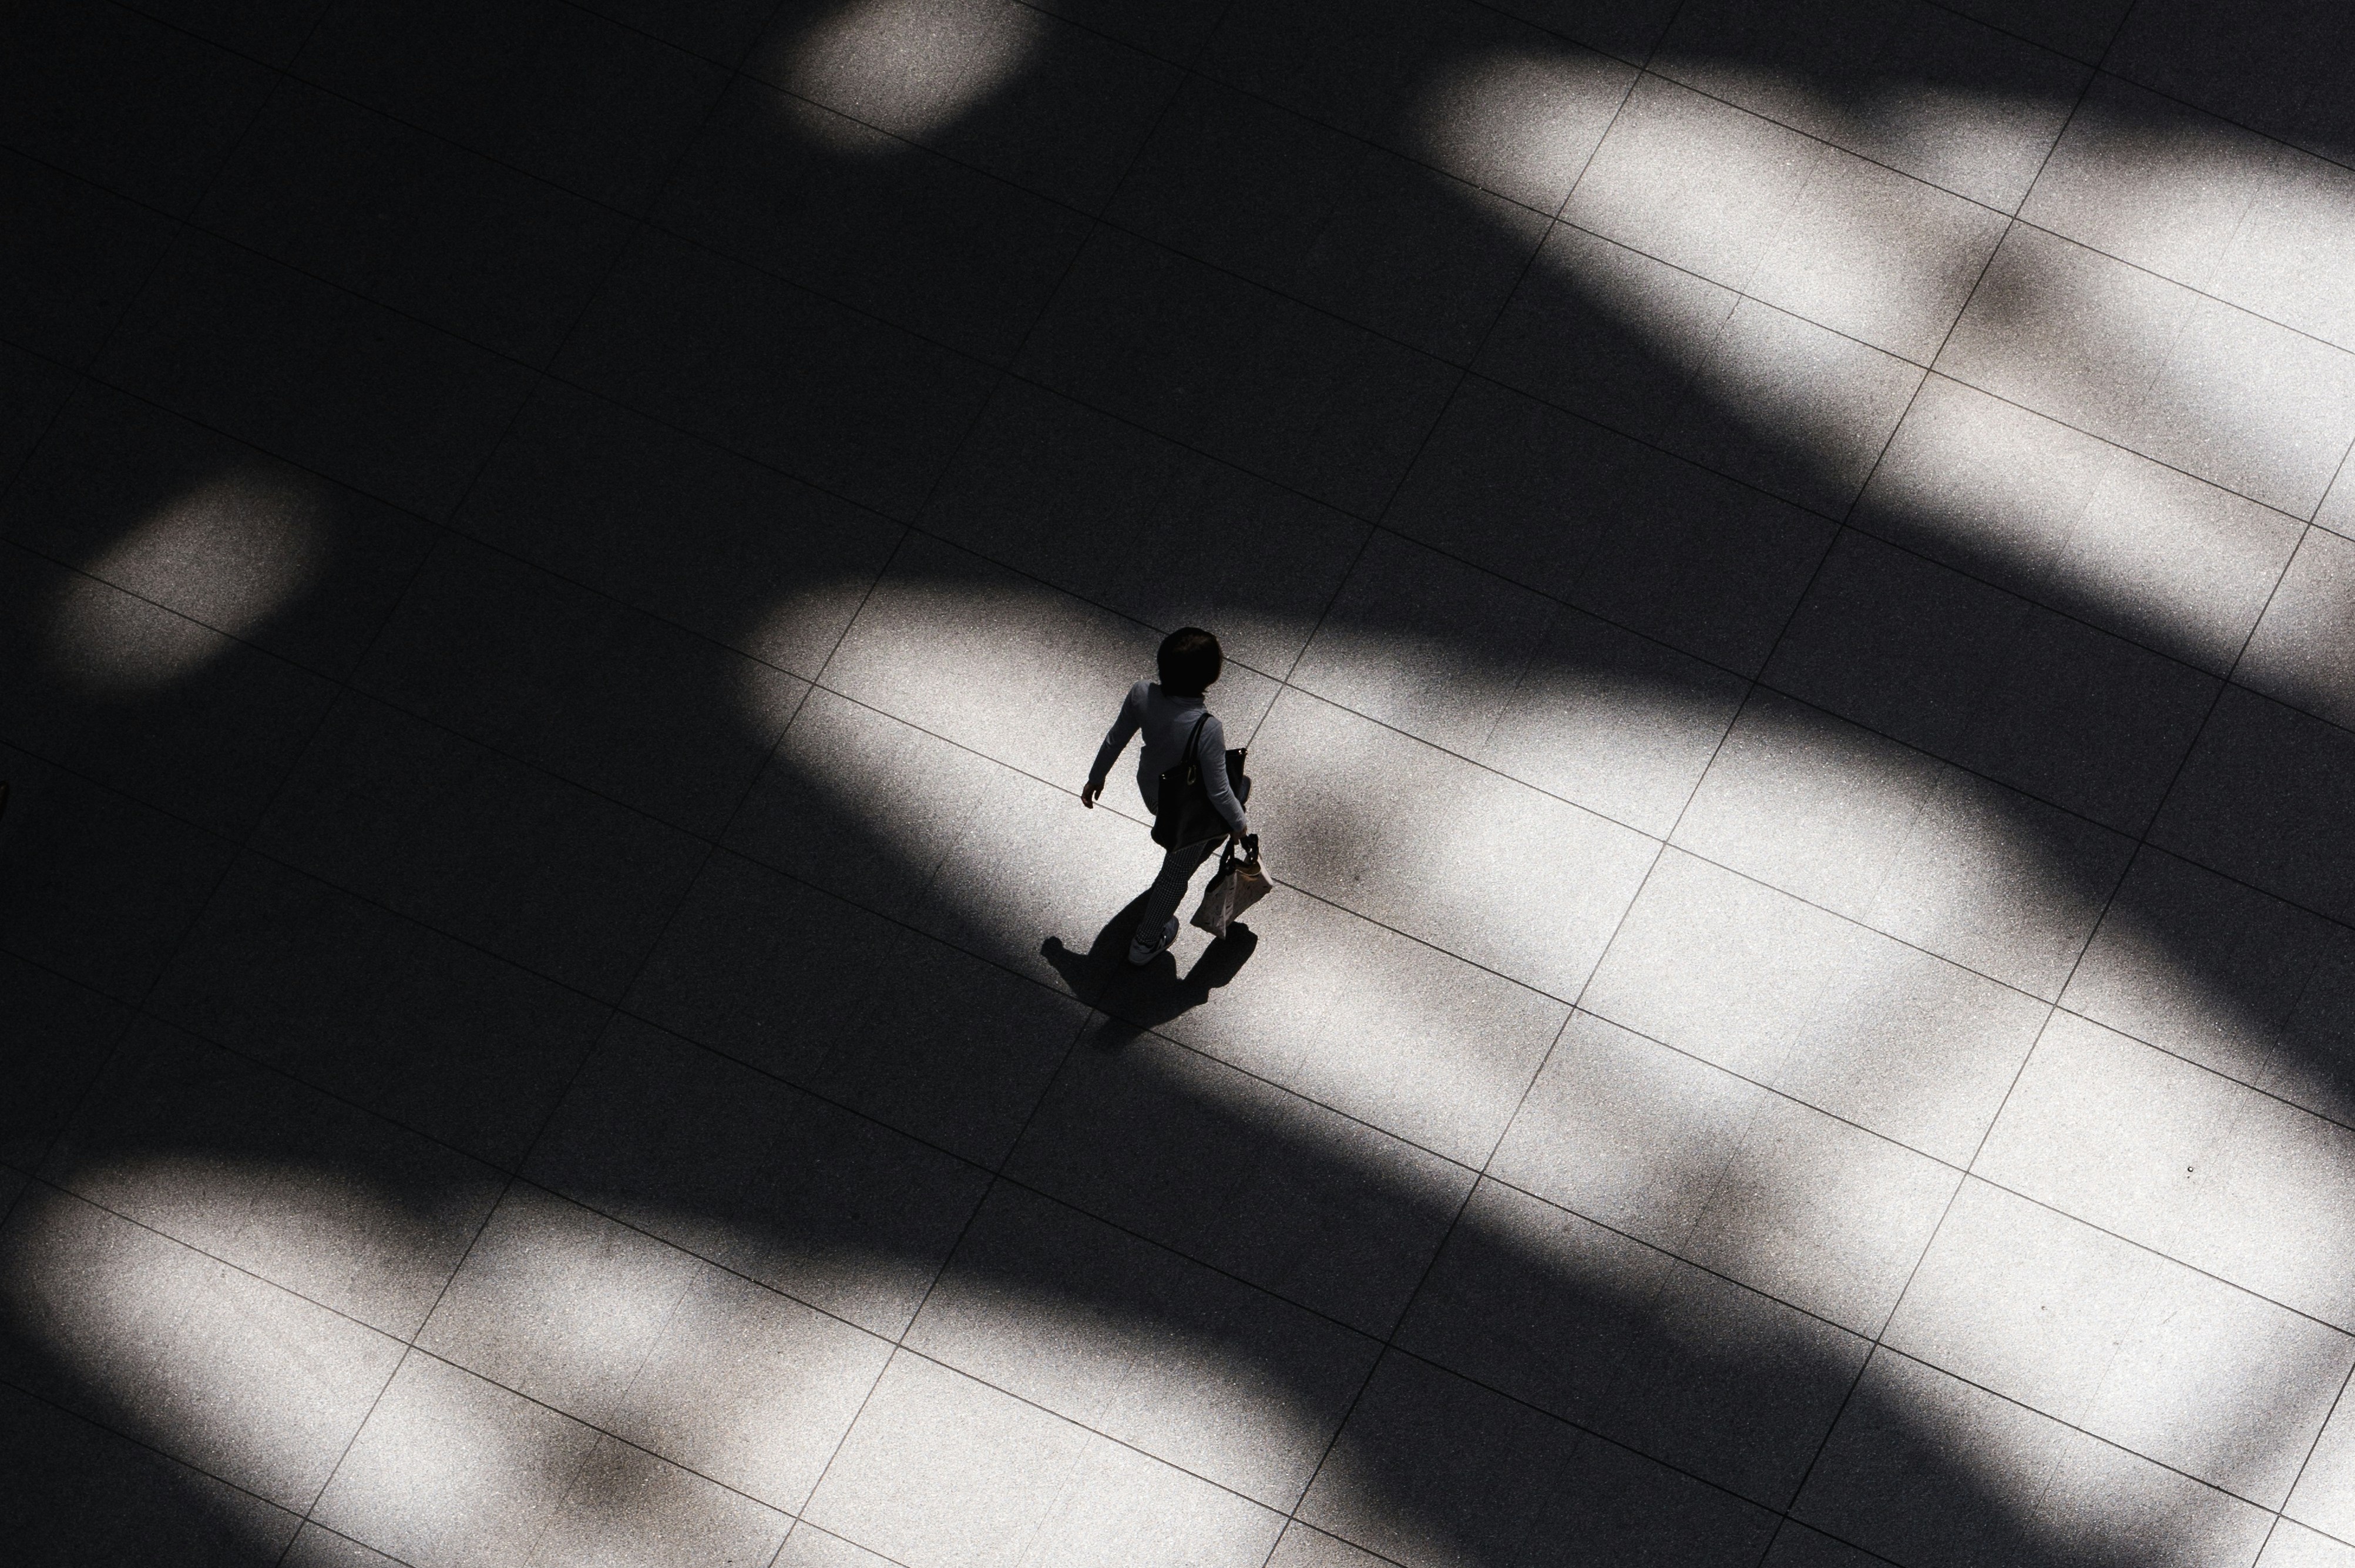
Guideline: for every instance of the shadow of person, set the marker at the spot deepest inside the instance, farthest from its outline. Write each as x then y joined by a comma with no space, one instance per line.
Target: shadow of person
1139,999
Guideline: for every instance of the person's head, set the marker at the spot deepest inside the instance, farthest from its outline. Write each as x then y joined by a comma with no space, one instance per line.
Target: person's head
1189,661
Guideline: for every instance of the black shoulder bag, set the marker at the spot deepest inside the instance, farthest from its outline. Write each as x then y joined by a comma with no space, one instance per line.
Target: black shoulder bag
1186,815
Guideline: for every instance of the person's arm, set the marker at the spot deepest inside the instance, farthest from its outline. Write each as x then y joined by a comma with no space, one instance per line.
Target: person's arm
1213,759
1131,716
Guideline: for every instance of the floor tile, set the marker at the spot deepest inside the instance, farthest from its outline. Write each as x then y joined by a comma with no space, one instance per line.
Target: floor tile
2288,261
2257,74
1678,1363
1376,1025
996,1480
749,1388
409,220
81,253
1504,481
1029,876
2262,800
1926,1470
2150,180
1681,1155
1693,181
1432,1468
101,889
2290,657
862,806
1605,332
2023,502
312,374
1098,507
810,1547
1796,1546
1977,848
559,1304
2208,969
1249,1178
496,853
1423,644
2174,562
1485,99
2293,1545
2130,357
1625,32
2312,1068
346,996
775,373
757,1177
1942,860
1008,88
1877,256
1970,673
1165,1355
789,980
2081,29
1793,408
1303,1547
1647,541
1983,485
1245,375
1057,667
80,1493
631,1510
2338,510
2253,406
2067,332
276,1178
2119,1342
221,1370
140,108
678,527
1618,723
922,241
1173,30
267,30
146,701
453,1472
1623,1507
209,528
2187,1163
62,1037
1351,806
552,90
1911,86
721,32
1850,1021
1373,237
604,695
31,395
2325,1494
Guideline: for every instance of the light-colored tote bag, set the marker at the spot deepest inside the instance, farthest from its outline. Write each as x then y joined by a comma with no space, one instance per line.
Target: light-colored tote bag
1239,883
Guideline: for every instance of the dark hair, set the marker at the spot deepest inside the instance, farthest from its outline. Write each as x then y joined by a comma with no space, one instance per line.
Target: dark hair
1189,661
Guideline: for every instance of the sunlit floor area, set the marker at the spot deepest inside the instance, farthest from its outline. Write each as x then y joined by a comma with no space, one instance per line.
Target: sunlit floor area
1787,574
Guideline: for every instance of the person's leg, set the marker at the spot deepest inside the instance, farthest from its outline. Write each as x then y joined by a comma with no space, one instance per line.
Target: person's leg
1177,867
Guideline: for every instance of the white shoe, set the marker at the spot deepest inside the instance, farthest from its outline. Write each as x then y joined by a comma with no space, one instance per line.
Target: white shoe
1140,954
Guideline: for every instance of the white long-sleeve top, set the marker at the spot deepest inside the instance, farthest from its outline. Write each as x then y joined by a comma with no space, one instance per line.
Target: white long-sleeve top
1167,720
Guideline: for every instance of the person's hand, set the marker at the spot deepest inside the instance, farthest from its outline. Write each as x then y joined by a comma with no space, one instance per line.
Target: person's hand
1088,794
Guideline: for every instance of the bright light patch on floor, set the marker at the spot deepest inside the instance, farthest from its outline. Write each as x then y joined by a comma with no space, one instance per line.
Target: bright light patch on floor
912,67
226,556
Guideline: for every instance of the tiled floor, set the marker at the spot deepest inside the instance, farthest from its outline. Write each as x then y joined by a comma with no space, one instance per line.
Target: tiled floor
1788,574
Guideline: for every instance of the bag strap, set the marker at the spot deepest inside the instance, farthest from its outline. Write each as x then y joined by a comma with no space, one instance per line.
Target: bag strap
1194,740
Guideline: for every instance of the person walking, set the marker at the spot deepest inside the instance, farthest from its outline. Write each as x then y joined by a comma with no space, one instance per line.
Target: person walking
1173,715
